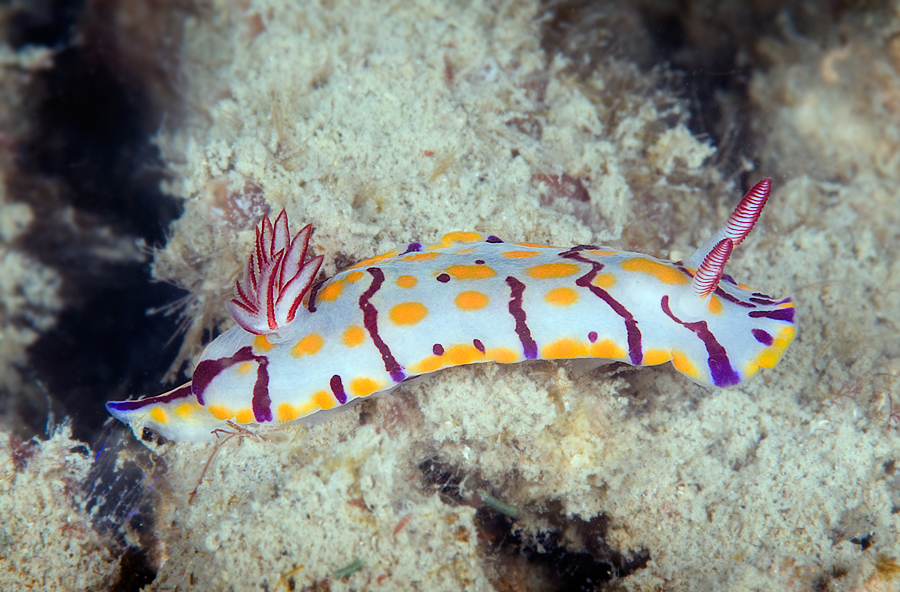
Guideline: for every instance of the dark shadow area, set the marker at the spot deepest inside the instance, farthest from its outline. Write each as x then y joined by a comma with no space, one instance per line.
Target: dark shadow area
573,555
86,166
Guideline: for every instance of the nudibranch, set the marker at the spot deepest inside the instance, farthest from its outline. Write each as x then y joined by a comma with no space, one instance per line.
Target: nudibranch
301,347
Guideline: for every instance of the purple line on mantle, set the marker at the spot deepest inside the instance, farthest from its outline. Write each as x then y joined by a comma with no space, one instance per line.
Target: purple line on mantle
518,313
763,337
181,392
632,331
719,364
337,387
207,370
781,314
370,320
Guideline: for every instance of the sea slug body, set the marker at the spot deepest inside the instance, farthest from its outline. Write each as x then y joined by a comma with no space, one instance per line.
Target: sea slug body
299,349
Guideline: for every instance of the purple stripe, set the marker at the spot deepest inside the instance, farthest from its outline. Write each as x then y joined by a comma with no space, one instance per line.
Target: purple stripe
493,239
719,291
719,365
478,345
370,320
592,336
726,296
313,292
635,353
438,349
181,392
337,387
518,313
412,248
443,278
679,265
761,301
262,404
207,370
763,337
781,314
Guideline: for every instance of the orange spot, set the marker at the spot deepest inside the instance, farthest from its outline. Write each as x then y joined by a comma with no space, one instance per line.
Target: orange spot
429,364
464,252
520,254
549,271
185,409
715,305
683,365
471,272
307,408
323,400
354,276
604,280
564,348
373,260
607,349
363,387
262,344
354,335
652,357
504,355
407,281
536,246
428,153
245,367
245,415
462,353
471,300
664,273
159,415
287,412
561,297
308,346
407,313
330,292
750,368
600,252
770,356
785,337
420,256
220,412
452,238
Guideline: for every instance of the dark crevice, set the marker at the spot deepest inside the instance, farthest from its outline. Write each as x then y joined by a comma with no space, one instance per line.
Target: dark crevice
573,555
47,23
86,166
121,489
134,571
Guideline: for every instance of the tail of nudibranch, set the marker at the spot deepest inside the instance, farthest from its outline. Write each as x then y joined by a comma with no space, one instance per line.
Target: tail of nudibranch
277,277
758,328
